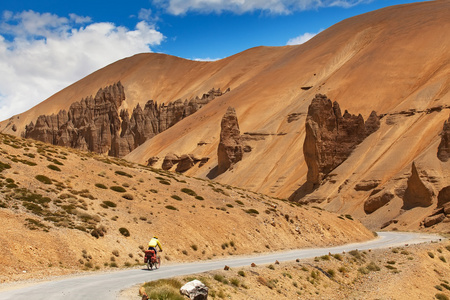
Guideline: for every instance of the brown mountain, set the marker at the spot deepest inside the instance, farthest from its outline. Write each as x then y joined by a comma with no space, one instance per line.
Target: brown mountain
394,61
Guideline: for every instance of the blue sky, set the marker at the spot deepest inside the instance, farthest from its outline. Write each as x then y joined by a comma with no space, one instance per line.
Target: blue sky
46,45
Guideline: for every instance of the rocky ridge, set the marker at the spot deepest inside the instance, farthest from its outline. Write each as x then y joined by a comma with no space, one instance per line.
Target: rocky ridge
96,124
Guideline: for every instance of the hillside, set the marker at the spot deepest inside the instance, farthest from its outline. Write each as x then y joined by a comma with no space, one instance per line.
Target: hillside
394,61
64,210
419,271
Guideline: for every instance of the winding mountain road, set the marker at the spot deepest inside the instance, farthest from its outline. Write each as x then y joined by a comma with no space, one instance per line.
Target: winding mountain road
107,285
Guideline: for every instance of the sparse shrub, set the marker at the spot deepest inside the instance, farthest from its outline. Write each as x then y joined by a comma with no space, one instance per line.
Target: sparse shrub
241,273
101,186
372,267
331,272
165,182
108,203
194,247
199,198
325,257
445,285
122,173
4,166
124,231
230,205
404,252
390,267
167,289
118,189
438,287
54,168
113,265
176,197
43,179
252,211
337,256
236,282
189,192
430,254
356,254
128,196
239,202
442,258
349,217
171,207
391,262
343,269
271,267
232,244
441,296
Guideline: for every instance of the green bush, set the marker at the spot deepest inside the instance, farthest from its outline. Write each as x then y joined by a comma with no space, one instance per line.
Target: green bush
118,189
252,211
128,196
171,207
124,231
101,186
176,197
165,182
189,192
122,173
164,289
199,198
54,168
241,273
43,179
108,203
4,166
441,296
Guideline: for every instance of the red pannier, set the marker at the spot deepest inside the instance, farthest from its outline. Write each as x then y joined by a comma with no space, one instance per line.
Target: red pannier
149,254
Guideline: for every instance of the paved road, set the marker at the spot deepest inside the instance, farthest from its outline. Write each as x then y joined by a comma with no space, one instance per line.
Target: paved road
107,285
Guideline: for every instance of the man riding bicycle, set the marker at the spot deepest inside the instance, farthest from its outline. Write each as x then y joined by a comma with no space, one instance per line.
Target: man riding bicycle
153,243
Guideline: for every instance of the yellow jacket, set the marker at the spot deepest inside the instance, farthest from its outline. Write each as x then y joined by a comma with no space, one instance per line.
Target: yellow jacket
153,242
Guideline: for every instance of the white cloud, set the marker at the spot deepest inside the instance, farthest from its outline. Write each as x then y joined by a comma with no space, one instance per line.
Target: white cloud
179,7
206,59
303,38
42,53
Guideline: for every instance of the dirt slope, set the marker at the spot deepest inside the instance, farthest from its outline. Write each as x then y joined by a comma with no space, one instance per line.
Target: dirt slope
63,210
392,61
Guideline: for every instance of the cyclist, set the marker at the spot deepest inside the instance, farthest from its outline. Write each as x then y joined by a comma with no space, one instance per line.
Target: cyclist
153,243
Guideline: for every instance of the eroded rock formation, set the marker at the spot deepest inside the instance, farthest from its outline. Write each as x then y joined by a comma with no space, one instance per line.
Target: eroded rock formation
230,148
416,193
376,201
95,124
444,147
331,137
183,162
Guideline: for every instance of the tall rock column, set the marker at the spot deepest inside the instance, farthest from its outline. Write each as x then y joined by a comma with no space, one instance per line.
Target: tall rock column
444,147
230,146
331,137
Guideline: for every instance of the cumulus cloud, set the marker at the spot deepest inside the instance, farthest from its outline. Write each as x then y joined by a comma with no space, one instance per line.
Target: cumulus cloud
179,7
41,53
303,38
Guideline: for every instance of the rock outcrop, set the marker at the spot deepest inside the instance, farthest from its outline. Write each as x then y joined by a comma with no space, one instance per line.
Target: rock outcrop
183,162
331,137
376,201
95,124
444,147
230,148
444,196
195,290
416,193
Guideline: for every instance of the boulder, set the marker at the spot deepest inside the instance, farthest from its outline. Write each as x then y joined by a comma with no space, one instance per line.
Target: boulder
195,290
444,147
432,220
417,194
376,201
366,185
185,163
444,196
169,161
152,161
230,149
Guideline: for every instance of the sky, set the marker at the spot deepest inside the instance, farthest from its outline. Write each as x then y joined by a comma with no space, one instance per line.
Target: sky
47,45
